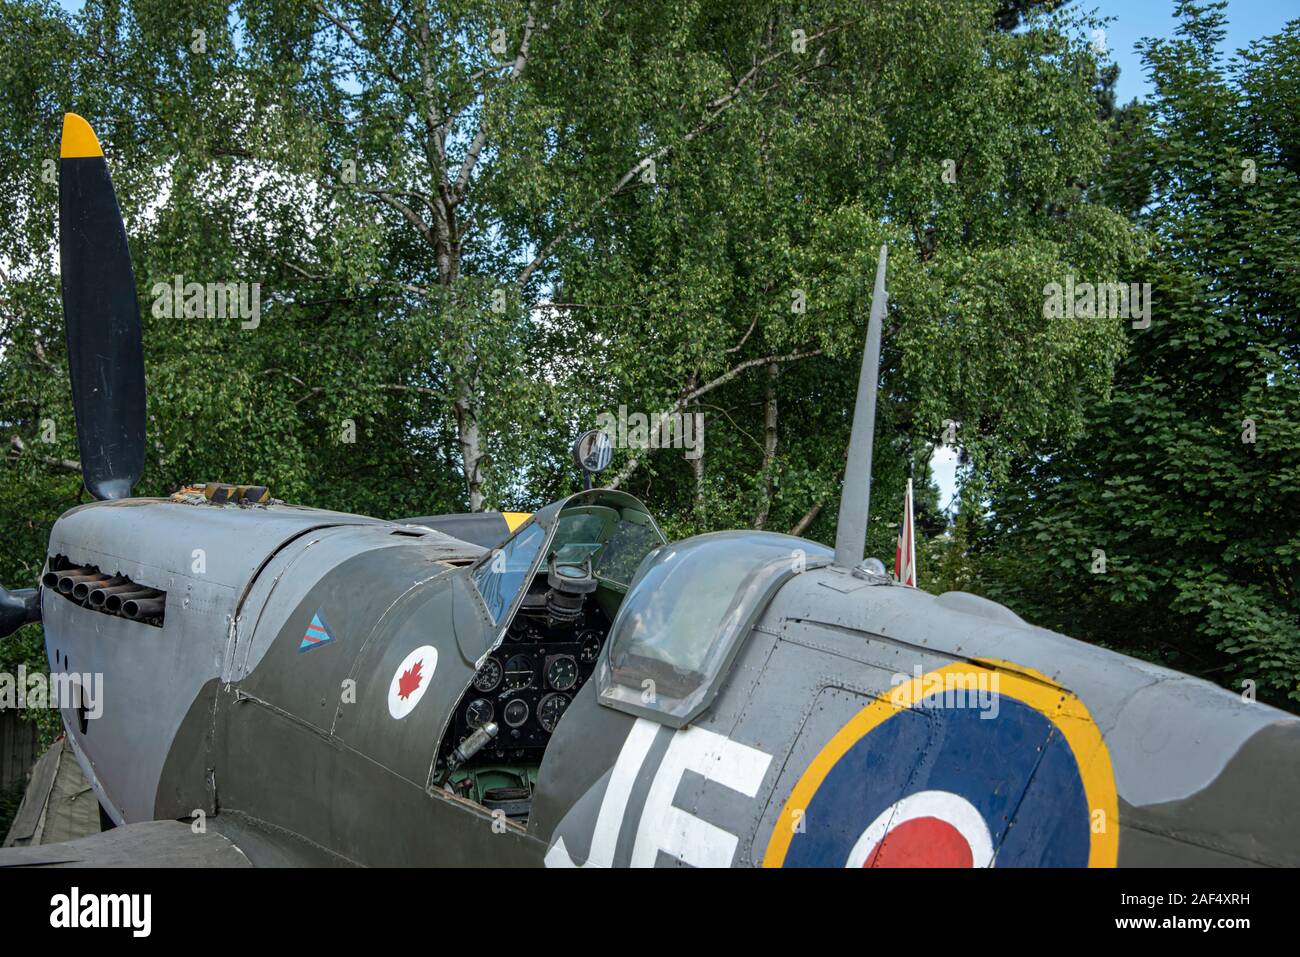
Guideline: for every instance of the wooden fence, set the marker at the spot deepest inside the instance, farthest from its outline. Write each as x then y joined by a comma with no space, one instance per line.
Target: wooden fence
18,751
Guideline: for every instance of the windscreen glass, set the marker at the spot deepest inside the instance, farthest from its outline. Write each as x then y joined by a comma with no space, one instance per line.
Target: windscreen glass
502,573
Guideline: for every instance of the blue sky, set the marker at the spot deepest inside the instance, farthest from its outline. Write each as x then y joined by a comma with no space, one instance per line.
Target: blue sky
1134,19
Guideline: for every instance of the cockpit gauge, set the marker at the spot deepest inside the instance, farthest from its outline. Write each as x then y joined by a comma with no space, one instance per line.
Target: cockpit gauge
489,676
519,673
478,713
590,649
550,709
516,712
562,673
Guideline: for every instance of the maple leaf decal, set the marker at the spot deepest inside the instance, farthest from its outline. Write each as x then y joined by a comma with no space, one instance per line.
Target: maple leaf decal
410,680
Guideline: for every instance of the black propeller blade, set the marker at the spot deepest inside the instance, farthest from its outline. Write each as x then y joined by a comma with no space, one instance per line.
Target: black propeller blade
102,317
18,608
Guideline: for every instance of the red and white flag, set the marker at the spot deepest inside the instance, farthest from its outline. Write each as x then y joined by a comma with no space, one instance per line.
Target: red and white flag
905,555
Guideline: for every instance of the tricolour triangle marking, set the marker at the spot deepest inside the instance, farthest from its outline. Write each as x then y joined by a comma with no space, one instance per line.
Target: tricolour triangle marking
318,633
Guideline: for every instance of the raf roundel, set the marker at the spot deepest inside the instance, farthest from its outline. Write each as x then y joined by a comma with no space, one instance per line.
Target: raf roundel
925,829
411,680
1017,776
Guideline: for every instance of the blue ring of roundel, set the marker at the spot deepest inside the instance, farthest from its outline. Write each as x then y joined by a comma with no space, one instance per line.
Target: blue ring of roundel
987,761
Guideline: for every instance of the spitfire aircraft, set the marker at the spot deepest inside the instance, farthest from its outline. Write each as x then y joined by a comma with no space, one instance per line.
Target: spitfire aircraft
286,685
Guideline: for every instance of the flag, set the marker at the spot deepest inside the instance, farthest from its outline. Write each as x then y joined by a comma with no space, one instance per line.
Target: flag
905,554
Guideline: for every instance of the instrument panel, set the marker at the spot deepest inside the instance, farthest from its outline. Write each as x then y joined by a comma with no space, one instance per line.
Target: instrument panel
529,680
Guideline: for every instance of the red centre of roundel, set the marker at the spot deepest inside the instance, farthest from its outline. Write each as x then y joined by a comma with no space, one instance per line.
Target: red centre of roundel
410,680
921,842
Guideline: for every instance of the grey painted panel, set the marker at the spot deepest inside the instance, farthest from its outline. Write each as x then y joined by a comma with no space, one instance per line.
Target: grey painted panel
1145,712
1247,813
298,569
151,539
281,776
576,770
147,844
406,745
151,675
353,592
150,678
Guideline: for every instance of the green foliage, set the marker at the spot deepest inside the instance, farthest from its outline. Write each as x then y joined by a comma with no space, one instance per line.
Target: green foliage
674,179
703,270
313,150
1189,478
10,799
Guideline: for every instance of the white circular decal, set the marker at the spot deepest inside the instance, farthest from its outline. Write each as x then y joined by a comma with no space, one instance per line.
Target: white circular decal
411,679
951,812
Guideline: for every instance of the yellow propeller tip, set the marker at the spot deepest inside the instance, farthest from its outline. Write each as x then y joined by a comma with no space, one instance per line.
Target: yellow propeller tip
78,138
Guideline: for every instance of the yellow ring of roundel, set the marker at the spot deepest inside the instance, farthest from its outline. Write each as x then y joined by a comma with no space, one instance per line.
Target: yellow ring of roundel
1036,690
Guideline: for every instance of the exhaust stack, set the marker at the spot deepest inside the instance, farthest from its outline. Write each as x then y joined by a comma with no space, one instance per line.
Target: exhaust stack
142,607
88,587
113,603
69,580
115,587
82,589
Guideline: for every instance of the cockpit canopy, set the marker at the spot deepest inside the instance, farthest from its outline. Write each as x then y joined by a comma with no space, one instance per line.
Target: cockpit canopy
689,609
681,611
609,529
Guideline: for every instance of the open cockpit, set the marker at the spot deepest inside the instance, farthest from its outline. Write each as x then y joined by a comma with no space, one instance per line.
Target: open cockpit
552,591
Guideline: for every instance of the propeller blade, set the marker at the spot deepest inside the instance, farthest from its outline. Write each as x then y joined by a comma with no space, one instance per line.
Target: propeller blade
18,608
102,317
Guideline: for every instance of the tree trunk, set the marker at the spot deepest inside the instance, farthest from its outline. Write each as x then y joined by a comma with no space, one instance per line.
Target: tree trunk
471,449
697,469
769,446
